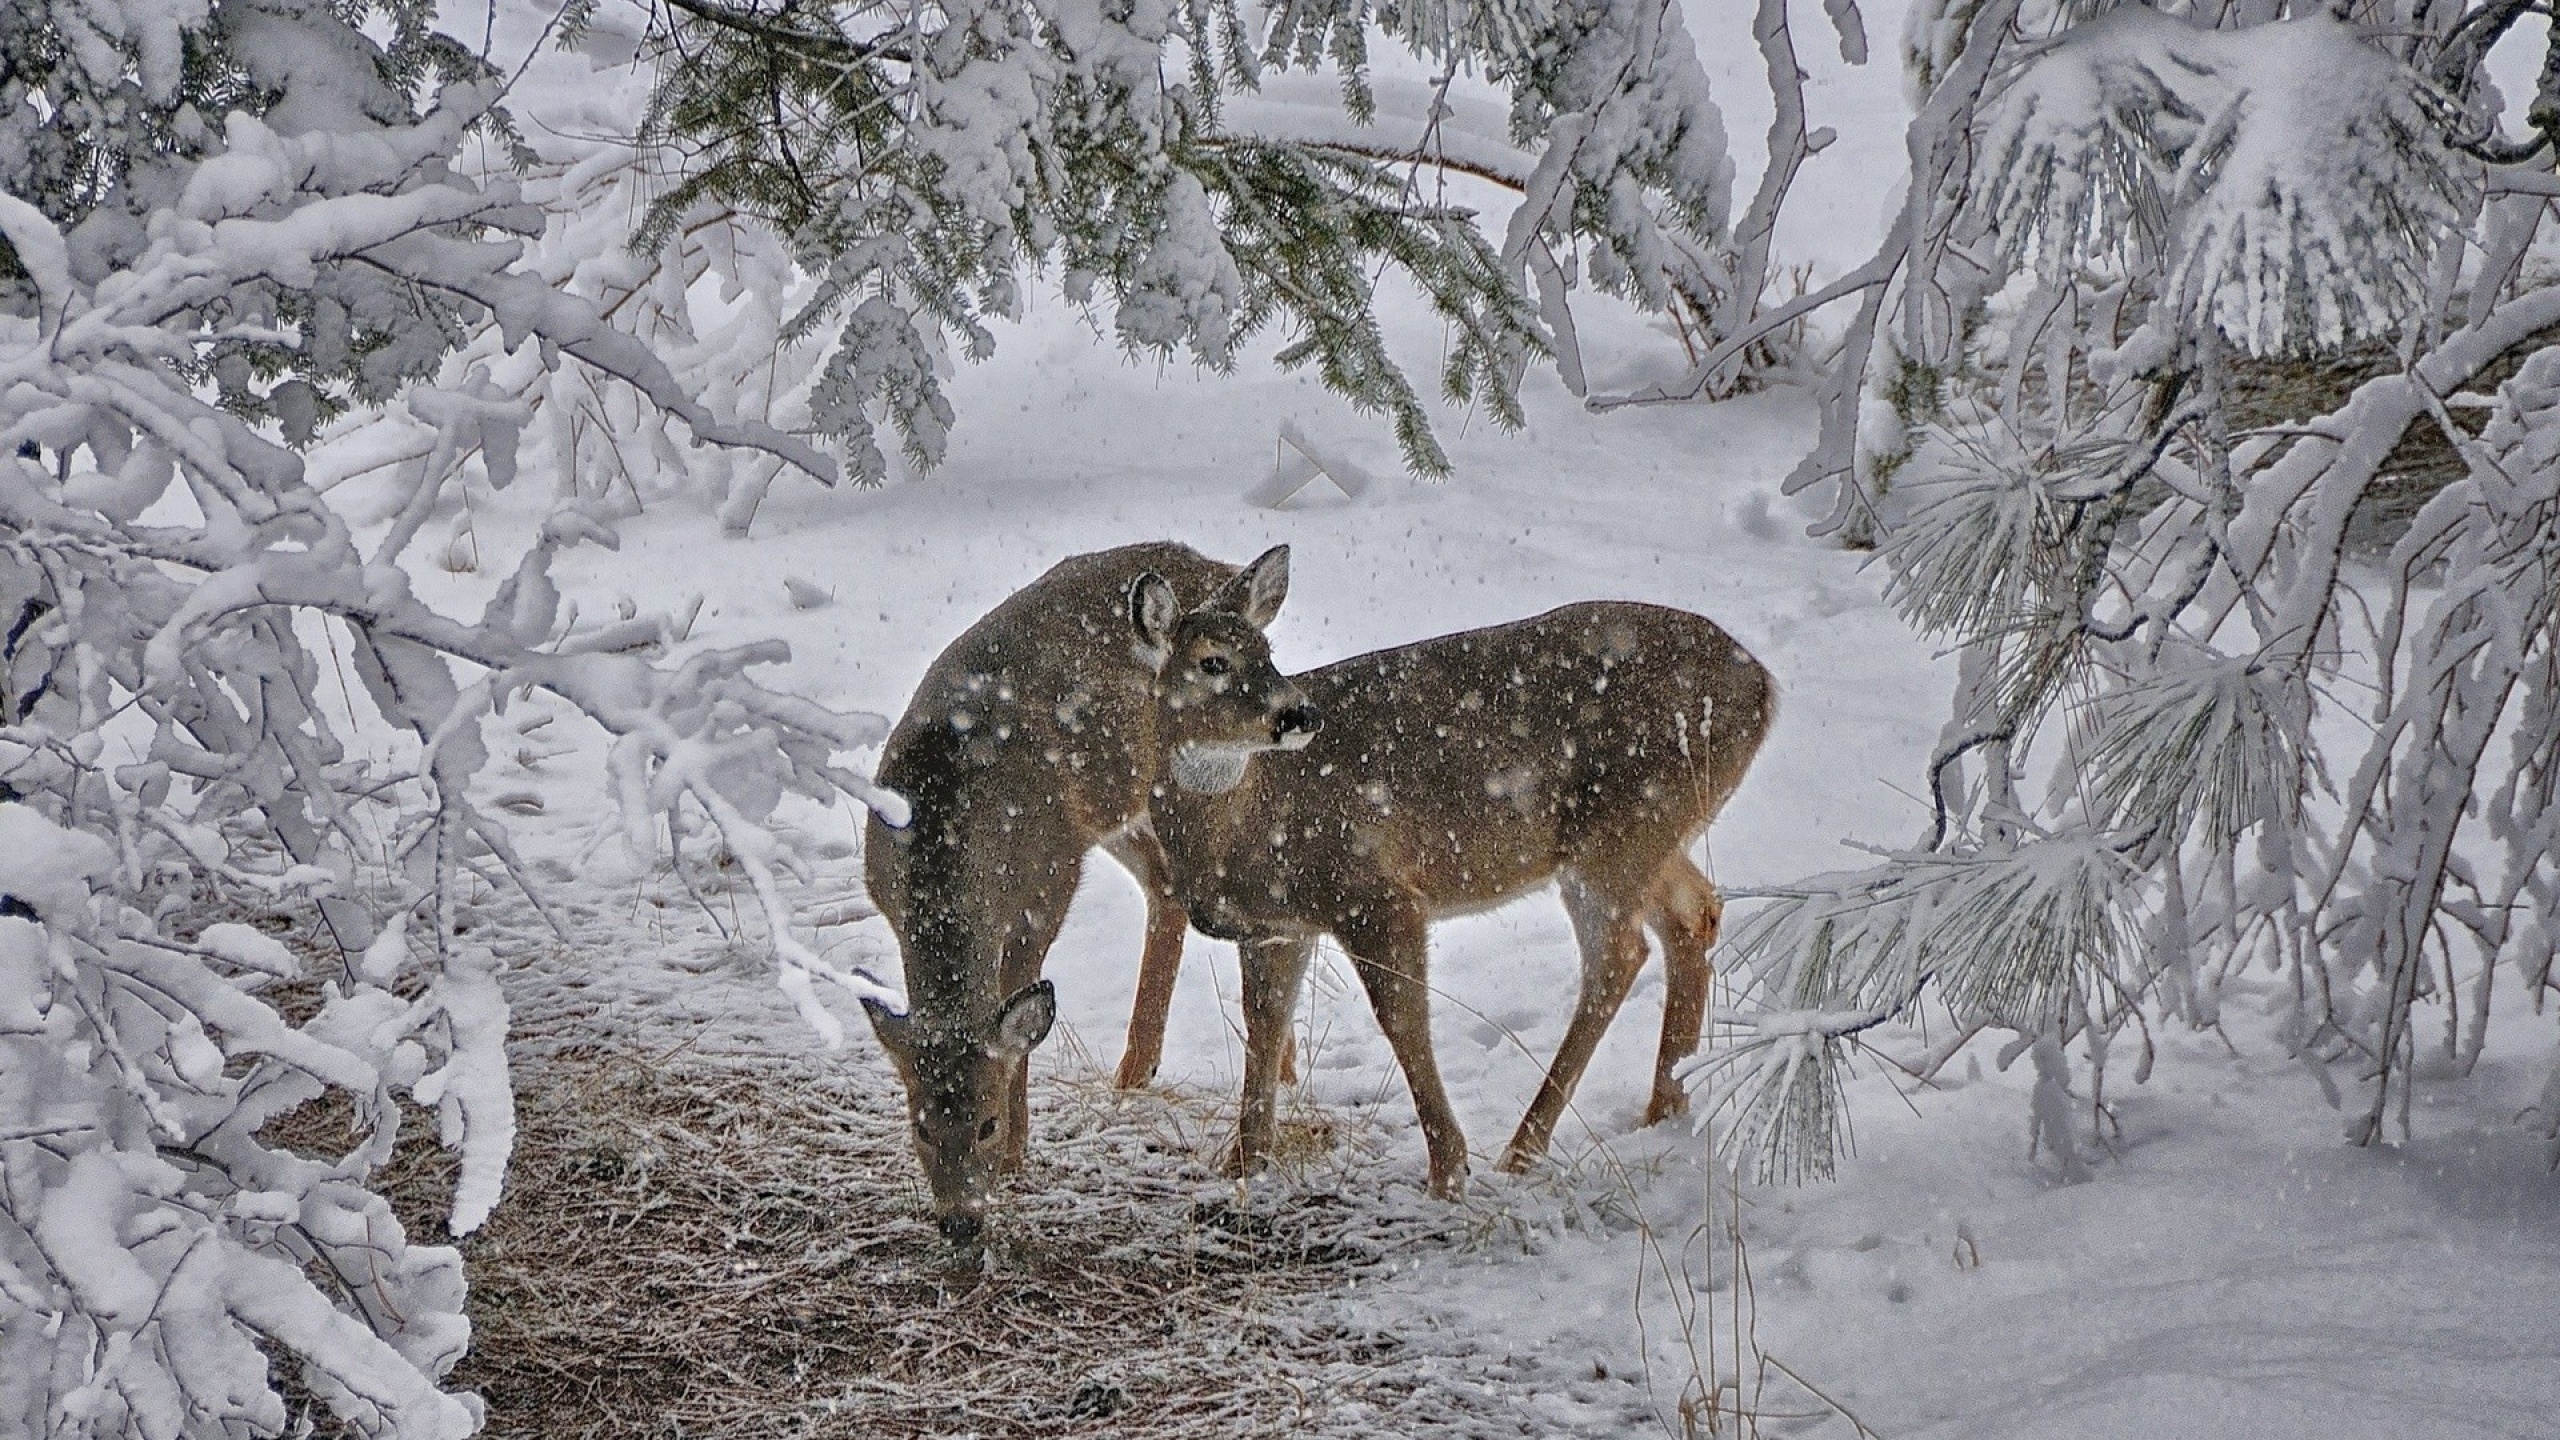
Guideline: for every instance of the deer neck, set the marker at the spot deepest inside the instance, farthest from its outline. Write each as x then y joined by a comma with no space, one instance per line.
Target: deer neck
1201,796
976,854
1209,769
1207,837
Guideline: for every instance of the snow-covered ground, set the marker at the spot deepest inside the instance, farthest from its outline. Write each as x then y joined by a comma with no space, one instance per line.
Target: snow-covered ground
2228,1268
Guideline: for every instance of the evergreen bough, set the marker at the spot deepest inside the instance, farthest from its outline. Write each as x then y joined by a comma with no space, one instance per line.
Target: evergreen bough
2117,218
930,161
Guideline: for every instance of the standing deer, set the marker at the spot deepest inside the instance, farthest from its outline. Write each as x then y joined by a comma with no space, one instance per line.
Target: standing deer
1030,742
1587,745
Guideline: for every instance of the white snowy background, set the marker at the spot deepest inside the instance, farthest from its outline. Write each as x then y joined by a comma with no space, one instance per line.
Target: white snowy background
2230,1267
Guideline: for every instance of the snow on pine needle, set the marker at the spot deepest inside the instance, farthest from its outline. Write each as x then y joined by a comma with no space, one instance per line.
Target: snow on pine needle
928,165
1972,556
2290,174
2125,234
2021,936
1619,94
2201,745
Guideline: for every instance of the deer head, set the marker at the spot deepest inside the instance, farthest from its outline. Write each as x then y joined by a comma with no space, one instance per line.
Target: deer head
959,1083
1219,698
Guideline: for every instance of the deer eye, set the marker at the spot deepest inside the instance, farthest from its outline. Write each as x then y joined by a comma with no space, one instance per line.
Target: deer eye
921,1133
987,1128
1213,665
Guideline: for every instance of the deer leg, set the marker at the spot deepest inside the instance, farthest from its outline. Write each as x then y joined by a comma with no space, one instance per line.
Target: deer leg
1687,915
1167,922
1158,966
1273,972
1389,946
1611,933
1161,963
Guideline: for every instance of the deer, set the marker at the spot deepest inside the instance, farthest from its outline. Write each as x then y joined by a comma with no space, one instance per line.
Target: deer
1366,799
1029,744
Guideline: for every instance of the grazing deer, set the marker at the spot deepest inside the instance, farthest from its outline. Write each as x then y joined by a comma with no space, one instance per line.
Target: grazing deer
1368,798
1030,742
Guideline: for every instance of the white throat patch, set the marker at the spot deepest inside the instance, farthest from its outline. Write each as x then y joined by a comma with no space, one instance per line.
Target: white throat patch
1208,769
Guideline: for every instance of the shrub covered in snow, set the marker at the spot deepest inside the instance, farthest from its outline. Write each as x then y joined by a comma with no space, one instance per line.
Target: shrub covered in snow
2193,732
224,224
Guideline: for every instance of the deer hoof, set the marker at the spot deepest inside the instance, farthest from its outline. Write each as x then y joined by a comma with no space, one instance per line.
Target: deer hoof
1667,1104
1131,1077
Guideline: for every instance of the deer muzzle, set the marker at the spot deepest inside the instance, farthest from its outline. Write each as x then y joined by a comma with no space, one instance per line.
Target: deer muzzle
1295,725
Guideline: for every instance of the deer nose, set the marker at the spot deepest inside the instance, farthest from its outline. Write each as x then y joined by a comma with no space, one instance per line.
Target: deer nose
1300,720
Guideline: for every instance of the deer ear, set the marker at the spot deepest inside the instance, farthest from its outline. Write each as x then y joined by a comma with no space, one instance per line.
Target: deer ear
1025,1020
1255,592
1152,613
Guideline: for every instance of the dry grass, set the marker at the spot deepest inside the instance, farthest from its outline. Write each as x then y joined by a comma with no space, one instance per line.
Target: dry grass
716,1245
712,1245
701,1248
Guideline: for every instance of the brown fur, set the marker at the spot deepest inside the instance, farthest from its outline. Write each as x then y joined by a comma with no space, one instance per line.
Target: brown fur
1587,746
1030,742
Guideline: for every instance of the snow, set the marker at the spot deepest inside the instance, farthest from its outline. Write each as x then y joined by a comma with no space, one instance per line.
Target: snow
2306,189
2229,1269
250,949
2228,1266
79,1233
475,1105
39,248
2214,1261
45,866
1188,284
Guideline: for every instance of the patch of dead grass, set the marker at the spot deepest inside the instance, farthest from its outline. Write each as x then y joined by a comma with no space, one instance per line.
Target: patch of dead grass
705,1248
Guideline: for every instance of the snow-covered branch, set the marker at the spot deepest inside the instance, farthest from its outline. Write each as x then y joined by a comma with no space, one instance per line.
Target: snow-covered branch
2080,416
172,581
